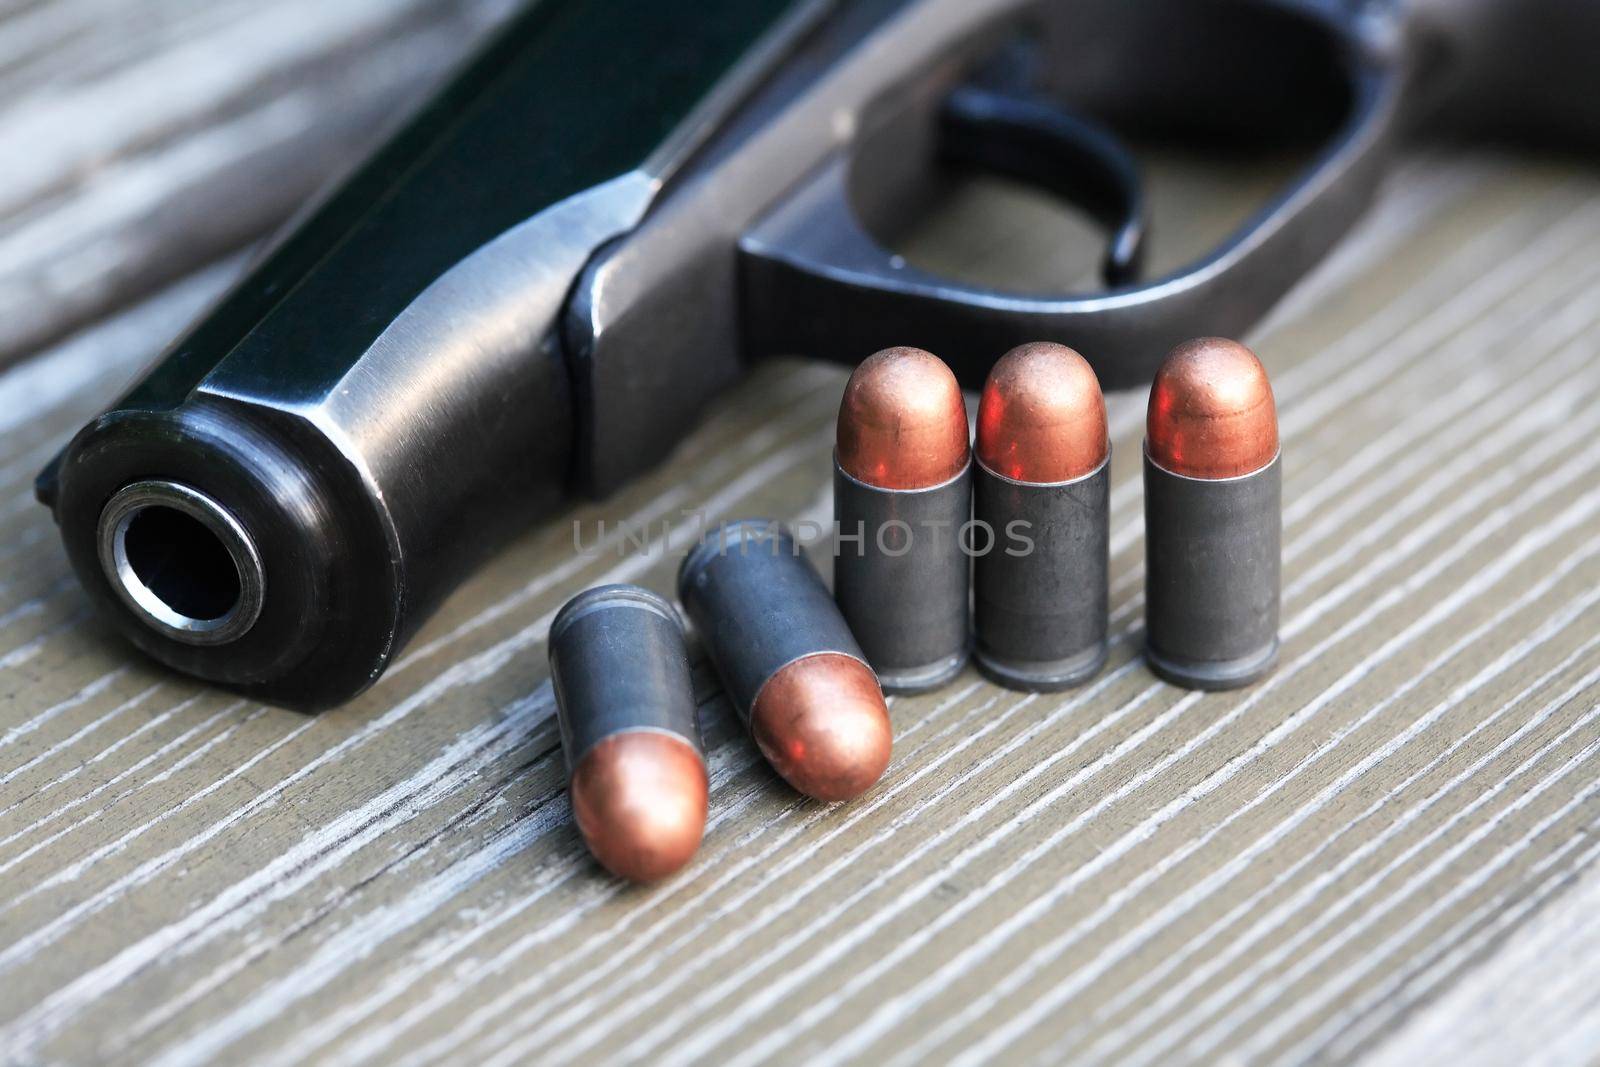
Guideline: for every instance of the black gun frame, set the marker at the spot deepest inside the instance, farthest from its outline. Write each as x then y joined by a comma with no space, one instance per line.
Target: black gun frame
530,293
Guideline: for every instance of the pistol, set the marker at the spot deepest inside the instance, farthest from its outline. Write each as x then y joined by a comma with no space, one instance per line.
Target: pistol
531,290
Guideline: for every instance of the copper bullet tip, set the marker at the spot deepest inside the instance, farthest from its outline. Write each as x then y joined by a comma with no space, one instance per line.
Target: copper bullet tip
903,424
1042,417
822,723
640,800
1211,411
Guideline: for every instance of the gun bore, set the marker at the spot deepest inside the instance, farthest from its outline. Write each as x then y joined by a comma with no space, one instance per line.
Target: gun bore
181,563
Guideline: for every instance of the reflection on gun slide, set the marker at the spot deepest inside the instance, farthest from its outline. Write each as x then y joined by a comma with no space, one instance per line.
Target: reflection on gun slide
532,289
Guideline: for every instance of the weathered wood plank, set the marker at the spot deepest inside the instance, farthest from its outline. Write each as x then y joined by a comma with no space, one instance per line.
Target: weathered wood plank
143,140
1537,1003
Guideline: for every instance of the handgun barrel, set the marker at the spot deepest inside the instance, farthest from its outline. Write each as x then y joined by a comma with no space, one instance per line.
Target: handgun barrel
383,398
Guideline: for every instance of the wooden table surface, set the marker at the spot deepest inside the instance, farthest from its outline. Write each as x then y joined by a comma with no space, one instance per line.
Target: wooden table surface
1384,851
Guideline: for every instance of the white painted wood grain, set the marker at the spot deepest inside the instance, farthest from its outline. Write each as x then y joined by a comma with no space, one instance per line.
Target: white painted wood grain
149,138
1195,972
1536,1005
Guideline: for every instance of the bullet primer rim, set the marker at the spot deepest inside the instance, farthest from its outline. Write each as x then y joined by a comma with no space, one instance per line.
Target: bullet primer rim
759,530
607,596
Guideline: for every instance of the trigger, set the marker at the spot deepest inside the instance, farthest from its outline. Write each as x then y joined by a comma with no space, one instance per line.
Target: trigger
1030,139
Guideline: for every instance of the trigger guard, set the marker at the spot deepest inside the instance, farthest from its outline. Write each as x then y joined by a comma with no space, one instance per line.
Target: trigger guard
814,281
1034,141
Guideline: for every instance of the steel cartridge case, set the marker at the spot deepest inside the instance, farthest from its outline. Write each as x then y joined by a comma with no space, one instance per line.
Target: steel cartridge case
629,730
791,668
1213,518
902,492
1041,589
901,577
1212,560
1042,508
